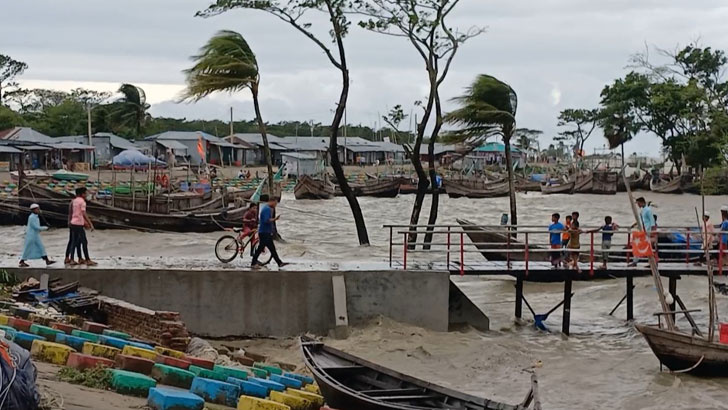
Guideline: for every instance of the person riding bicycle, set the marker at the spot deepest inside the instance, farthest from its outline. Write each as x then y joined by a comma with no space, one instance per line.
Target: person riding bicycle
250,220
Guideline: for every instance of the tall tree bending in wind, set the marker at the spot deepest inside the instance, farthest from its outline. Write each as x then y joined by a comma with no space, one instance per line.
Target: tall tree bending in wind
131,108
9,69
293,13
227,63
424,24
488,108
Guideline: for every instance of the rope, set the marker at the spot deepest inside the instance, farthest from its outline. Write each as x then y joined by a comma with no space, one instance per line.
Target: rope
335,218
690,368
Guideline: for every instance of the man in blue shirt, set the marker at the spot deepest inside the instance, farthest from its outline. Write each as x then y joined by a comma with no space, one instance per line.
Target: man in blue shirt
648,223
265,232
555,230
723,230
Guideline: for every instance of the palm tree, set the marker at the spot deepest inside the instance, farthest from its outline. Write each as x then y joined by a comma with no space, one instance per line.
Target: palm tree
227,63
131,108
488,108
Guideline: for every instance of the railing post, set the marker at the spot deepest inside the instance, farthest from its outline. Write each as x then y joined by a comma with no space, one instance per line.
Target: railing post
508,250
720,257
526,251
390,246
406,236
687,251
462,254
629,246
448,248
591,253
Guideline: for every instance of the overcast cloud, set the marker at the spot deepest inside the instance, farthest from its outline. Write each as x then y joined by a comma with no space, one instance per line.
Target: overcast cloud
556,54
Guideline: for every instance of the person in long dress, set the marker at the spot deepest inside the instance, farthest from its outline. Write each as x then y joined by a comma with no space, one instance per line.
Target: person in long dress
33,248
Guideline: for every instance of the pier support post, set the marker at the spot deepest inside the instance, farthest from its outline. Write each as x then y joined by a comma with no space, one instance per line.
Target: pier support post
567,307
672,288
630,298
519,297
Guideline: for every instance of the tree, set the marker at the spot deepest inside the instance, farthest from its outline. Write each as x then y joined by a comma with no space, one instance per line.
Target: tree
582,123
227,63
488,108
131,109
394,118
10,118
617,117
293,12
527,139
423,23
9,69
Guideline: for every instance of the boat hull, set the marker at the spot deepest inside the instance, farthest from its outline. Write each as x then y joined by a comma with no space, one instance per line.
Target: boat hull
604,182
310,188
475,189
567,188
680,351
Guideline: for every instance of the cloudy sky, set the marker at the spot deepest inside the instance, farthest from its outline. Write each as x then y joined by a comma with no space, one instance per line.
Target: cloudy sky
556,54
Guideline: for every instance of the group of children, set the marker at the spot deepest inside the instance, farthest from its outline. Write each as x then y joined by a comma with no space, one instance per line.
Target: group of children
568,235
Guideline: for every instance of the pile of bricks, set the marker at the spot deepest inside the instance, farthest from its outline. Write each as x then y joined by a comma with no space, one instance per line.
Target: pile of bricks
164,328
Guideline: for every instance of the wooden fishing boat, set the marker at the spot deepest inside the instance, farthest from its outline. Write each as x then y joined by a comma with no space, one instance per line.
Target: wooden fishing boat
524,184
63,175
635,182
685,352
380,188
30,175
54,206
349,382
309,188
604,182
676,185
475,188
494,244
563,188
584,183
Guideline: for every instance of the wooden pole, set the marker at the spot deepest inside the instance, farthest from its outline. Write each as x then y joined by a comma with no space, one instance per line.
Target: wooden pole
519,297
113,184
630,298
653,265
566,321
149,192
131,186
712,308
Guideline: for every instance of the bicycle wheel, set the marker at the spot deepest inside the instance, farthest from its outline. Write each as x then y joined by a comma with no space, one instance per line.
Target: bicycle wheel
265,256
226,248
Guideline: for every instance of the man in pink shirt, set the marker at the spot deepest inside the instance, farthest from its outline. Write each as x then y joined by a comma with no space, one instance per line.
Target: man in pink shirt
79,221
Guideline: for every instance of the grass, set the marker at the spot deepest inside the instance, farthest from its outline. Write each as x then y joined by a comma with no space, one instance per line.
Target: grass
98,378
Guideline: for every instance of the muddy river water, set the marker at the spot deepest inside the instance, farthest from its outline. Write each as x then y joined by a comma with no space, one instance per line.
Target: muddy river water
605,364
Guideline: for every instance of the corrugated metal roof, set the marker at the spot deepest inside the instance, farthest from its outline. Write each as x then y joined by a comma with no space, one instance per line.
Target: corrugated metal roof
9,150
71,145
299,155
172,144
184,136
257,139
225,144
119,142
25,134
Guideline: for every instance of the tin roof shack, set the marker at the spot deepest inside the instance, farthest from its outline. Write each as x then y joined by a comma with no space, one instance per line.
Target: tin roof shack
33,144
492,153
201,147
444,153
318,147
254,152
299,164
9,157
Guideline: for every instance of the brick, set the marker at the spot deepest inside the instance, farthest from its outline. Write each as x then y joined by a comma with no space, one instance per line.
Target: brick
313,388
71,341
94,327
207,373
141,345
314,398
254,403
113,341
133,384
161,398
98,350
286,381
294,402
129,350
64,327
49,352
215,391
9,332
235,372
20,324
134,364
256,356
4,320
171,361
267,383
204,363
249,388
244,360
270,369
91,337
261,373
172,376
303,378
170,352
114,333
48,332
25,340
80,361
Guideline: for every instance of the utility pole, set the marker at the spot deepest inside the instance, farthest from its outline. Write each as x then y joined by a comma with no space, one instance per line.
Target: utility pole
88,120
231,121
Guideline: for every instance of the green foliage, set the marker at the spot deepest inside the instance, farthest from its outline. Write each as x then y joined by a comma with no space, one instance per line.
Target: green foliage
10,118
9,69
581,123
130,111
98,378
715,181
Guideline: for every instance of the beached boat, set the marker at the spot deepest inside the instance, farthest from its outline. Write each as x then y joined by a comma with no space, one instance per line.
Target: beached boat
475,188
349,382
30,175
676,185
54,207
686,352
524,184
562,188
309,188
63,175
604,182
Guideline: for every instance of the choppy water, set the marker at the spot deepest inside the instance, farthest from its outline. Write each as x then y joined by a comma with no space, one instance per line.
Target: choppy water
605,364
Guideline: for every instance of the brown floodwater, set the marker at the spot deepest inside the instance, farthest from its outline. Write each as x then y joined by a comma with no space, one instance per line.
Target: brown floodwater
605,364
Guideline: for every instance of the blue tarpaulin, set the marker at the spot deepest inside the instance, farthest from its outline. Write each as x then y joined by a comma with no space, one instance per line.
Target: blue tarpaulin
133,158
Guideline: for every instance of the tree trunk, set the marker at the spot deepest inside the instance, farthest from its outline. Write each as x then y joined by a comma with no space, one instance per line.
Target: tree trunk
434,205
511,185
264,135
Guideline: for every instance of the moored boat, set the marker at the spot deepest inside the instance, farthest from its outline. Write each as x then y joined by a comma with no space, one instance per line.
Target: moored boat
494,244
349,382
584,183
686,352
63,175
475,188
604,182
380,188
524,184
635,182
563,188
676,185
30,175
309,188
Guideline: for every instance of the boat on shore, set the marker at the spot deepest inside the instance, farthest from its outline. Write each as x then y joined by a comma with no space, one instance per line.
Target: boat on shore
63,175
309,188
562,188
475,188
682,352
635,182
379,188
604,182
676,185
30,175
349,382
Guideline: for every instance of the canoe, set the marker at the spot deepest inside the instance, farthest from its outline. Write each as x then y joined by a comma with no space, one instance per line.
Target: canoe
604,182
475,188
309,188
684,352
352,383
64,175
564,188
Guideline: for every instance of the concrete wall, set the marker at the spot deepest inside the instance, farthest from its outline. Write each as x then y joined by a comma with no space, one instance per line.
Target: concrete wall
234,303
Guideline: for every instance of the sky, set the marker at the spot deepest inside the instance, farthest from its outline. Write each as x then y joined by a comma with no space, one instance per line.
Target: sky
556,54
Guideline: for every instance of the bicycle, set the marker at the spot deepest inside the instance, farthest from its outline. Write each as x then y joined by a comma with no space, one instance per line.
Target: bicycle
228,247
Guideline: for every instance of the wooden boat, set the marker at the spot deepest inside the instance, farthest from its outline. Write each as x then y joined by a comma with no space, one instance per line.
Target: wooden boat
63,175
30,175
564,188
491,241
475,188
381,188
681,351
635,182
349,382
524,184
54,207
584,183
604,182
309,188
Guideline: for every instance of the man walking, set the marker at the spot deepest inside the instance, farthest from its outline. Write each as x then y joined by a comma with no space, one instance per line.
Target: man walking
33,248
265,231
79,222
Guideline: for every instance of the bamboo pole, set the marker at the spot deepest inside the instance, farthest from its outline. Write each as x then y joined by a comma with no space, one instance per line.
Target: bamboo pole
113,184
653,265
149,191
711,288
131,186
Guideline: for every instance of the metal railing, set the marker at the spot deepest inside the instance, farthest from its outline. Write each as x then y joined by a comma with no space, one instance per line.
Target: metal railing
527,244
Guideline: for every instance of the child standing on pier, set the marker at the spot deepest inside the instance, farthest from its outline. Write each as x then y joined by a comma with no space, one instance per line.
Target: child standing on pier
607,232
555,229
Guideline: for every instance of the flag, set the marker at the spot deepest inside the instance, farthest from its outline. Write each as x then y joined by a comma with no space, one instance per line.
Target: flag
641,246
201,148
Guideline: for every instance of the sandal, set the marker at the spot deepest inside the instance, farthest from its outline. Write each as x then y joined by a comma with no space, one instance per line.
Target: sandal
23,264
